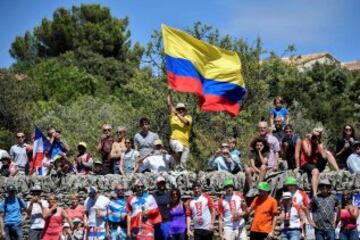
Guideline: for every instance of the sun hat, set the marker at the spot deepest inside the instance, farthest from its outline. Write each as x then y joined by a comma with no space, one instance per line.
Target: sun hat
157,142
264,186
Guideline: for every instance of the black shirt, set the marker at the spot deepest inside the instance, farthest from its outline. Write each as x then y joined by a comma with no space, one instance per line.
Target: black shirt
163,201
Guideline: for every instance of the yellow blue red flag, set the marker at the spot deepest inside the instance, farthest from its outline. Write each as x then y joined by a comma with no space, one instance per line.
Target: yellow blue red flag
194,66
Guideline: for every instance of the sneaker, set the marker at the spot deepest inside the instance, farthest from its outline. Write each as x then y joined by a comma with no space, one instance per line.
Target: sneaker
252,193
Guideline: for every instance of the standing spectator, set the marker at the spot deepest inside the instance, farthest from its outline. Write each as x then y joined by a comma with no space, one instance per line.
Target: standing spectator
292,218
50,133
180,123
259,155
19,153
291,147
95,210
324,206
299,196
143,214
278,131
348,214
344,145
265,211
8,167
117,215
11,219
235,154
144,140
353,161
274,146
117,149
54,217
200,209
158,160
279,111
162,198
223,160
231,208
78,229
34,211
177,216
76,210
83,160
128,158
58,146
104,148
314,157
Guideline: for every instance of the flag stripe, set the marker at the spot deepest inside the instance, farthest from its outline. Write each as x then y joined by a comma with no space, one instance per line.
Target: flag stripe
184,77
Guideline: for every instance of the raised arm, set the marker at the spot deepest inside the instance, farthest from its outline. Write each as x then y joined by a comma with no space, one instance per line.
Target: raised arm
170,103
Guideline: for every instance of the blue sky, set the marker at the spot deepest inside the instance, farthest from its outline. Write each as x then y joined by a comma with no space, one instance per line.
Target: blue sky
313,26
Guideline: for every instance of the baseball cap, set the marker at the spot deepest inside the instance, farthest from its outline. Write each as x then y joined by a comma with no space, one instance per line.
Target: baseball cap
36,188
228,182
76,220
11,188
98,162
66,225
5,155
91,190
290,181
325,182
180,105
264,186
286,195
157,142
83,144
160,179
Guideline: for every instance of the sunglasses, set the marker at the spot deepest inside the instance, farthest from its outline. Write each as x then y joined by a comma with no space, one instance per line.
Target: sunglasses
120,189
107,130
20,136
348,129
120,132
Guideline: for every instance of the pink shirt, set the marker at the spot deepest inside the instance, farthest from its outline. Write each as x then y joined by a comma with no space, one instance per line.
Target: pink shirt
53,225
77,212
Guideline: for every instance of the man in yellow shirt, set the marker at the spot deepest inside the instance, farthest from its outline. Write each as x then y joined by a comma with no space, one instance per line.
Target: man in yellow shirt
180,124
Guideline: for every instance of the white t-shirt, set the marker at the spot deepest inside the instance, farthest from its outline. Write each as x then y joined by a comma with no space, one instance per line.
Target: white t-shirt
91,205
158,163
36,219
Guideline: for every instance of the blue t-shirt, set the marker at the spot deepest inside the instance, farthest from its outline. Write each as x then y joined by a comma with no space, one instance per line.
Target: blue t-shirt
116,209
282,112
219,164
12,213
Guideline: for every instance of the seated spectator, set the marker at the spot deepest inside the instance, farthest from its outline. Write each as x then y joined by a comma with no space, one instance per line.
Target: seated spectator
180,123
83,160
58,146
118,147
222,160
97,168
129,158
63,166
66,232
8,167
353,161
344,145
235,154
158,160
278,131
291,147
104,148
259,155
314,157
78,231
20,152
279,111
274,146
144,140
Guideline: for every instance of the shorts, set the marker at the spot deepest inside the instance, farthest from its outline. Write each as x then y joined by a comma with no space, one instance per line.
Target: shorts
258,235
237,234
308,167
178,147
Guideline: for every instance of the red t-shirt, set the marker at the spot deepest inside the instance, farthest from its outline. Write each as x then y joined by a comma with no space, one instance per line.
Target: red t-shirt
77,212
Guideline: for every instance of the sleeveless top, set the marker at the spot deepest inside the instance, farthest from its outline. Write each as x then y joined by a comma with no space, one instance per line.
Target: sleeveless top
53,225
178,219
347,221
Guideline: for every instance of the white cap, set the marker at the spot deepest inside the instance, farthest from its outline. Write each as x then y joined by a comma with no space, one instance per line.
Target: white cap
287,195
180,105
160,179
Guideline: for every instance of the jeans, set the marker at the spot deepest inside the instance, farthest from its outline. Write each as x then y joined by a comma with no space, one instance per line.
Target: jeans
13,232
118,233
321,234
35,234
293,234
162,231
349,234
202,234
178,236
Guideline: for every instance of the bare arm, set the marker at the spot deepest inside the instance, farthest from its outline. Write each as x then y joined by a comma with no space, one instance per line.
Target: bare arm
252,161
121,166
2,231
297,153
188,224
67,218
128,225
307,148
221,227
170,103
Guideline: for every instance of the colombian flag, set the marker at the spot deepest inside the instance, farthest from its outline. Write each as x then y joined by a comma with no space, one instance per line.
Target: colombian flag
212,73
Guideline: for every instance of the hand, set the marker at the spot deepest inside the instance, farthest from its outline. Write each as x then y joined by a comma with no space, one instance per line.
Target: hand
103,136
34,199
163,151
221,236
190,234
275,168
347,145
297,169
236,216
211,227
218,152
261,148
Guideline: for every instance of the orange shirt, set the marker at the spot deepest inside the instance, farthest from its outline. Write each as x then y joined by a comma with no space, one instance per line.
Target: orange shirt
265,210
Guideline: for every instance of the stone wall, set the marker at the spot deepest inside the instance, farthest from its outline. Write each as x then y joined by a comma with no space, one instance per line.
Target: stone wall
212,183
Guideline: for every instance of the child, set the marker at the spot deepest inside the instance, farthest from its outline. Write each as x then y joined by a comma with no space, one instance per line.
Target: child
279,111
78,230
66,232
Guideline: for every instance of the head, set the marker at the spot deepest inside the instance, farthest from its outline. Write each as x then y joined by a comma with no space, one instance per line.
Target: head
74,199
120,132
120,190
263,128
232,143
50,132
197,189
92,192
289,131
175,195
98,167
158,144
52,199
82,146
324,187
356,147
36,191
161,183
291,184
347,198
264,189
107,130
316,135
76,222
259,143
144,124
139,187
225,148
57,134
20,137
278,121
287,198
278,102
11,190
348,131
229,186
129,143
6,159
180,108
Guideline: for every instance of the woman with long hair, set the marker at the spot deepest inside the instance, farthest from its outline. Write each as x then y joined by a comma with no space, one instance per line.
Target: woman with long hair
178,216
348,214
344,145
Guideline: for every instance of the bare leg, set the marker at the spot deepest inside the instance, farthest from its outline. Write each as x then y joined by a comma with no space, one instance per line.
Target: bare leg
330,158
249,173
262,174
315,175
